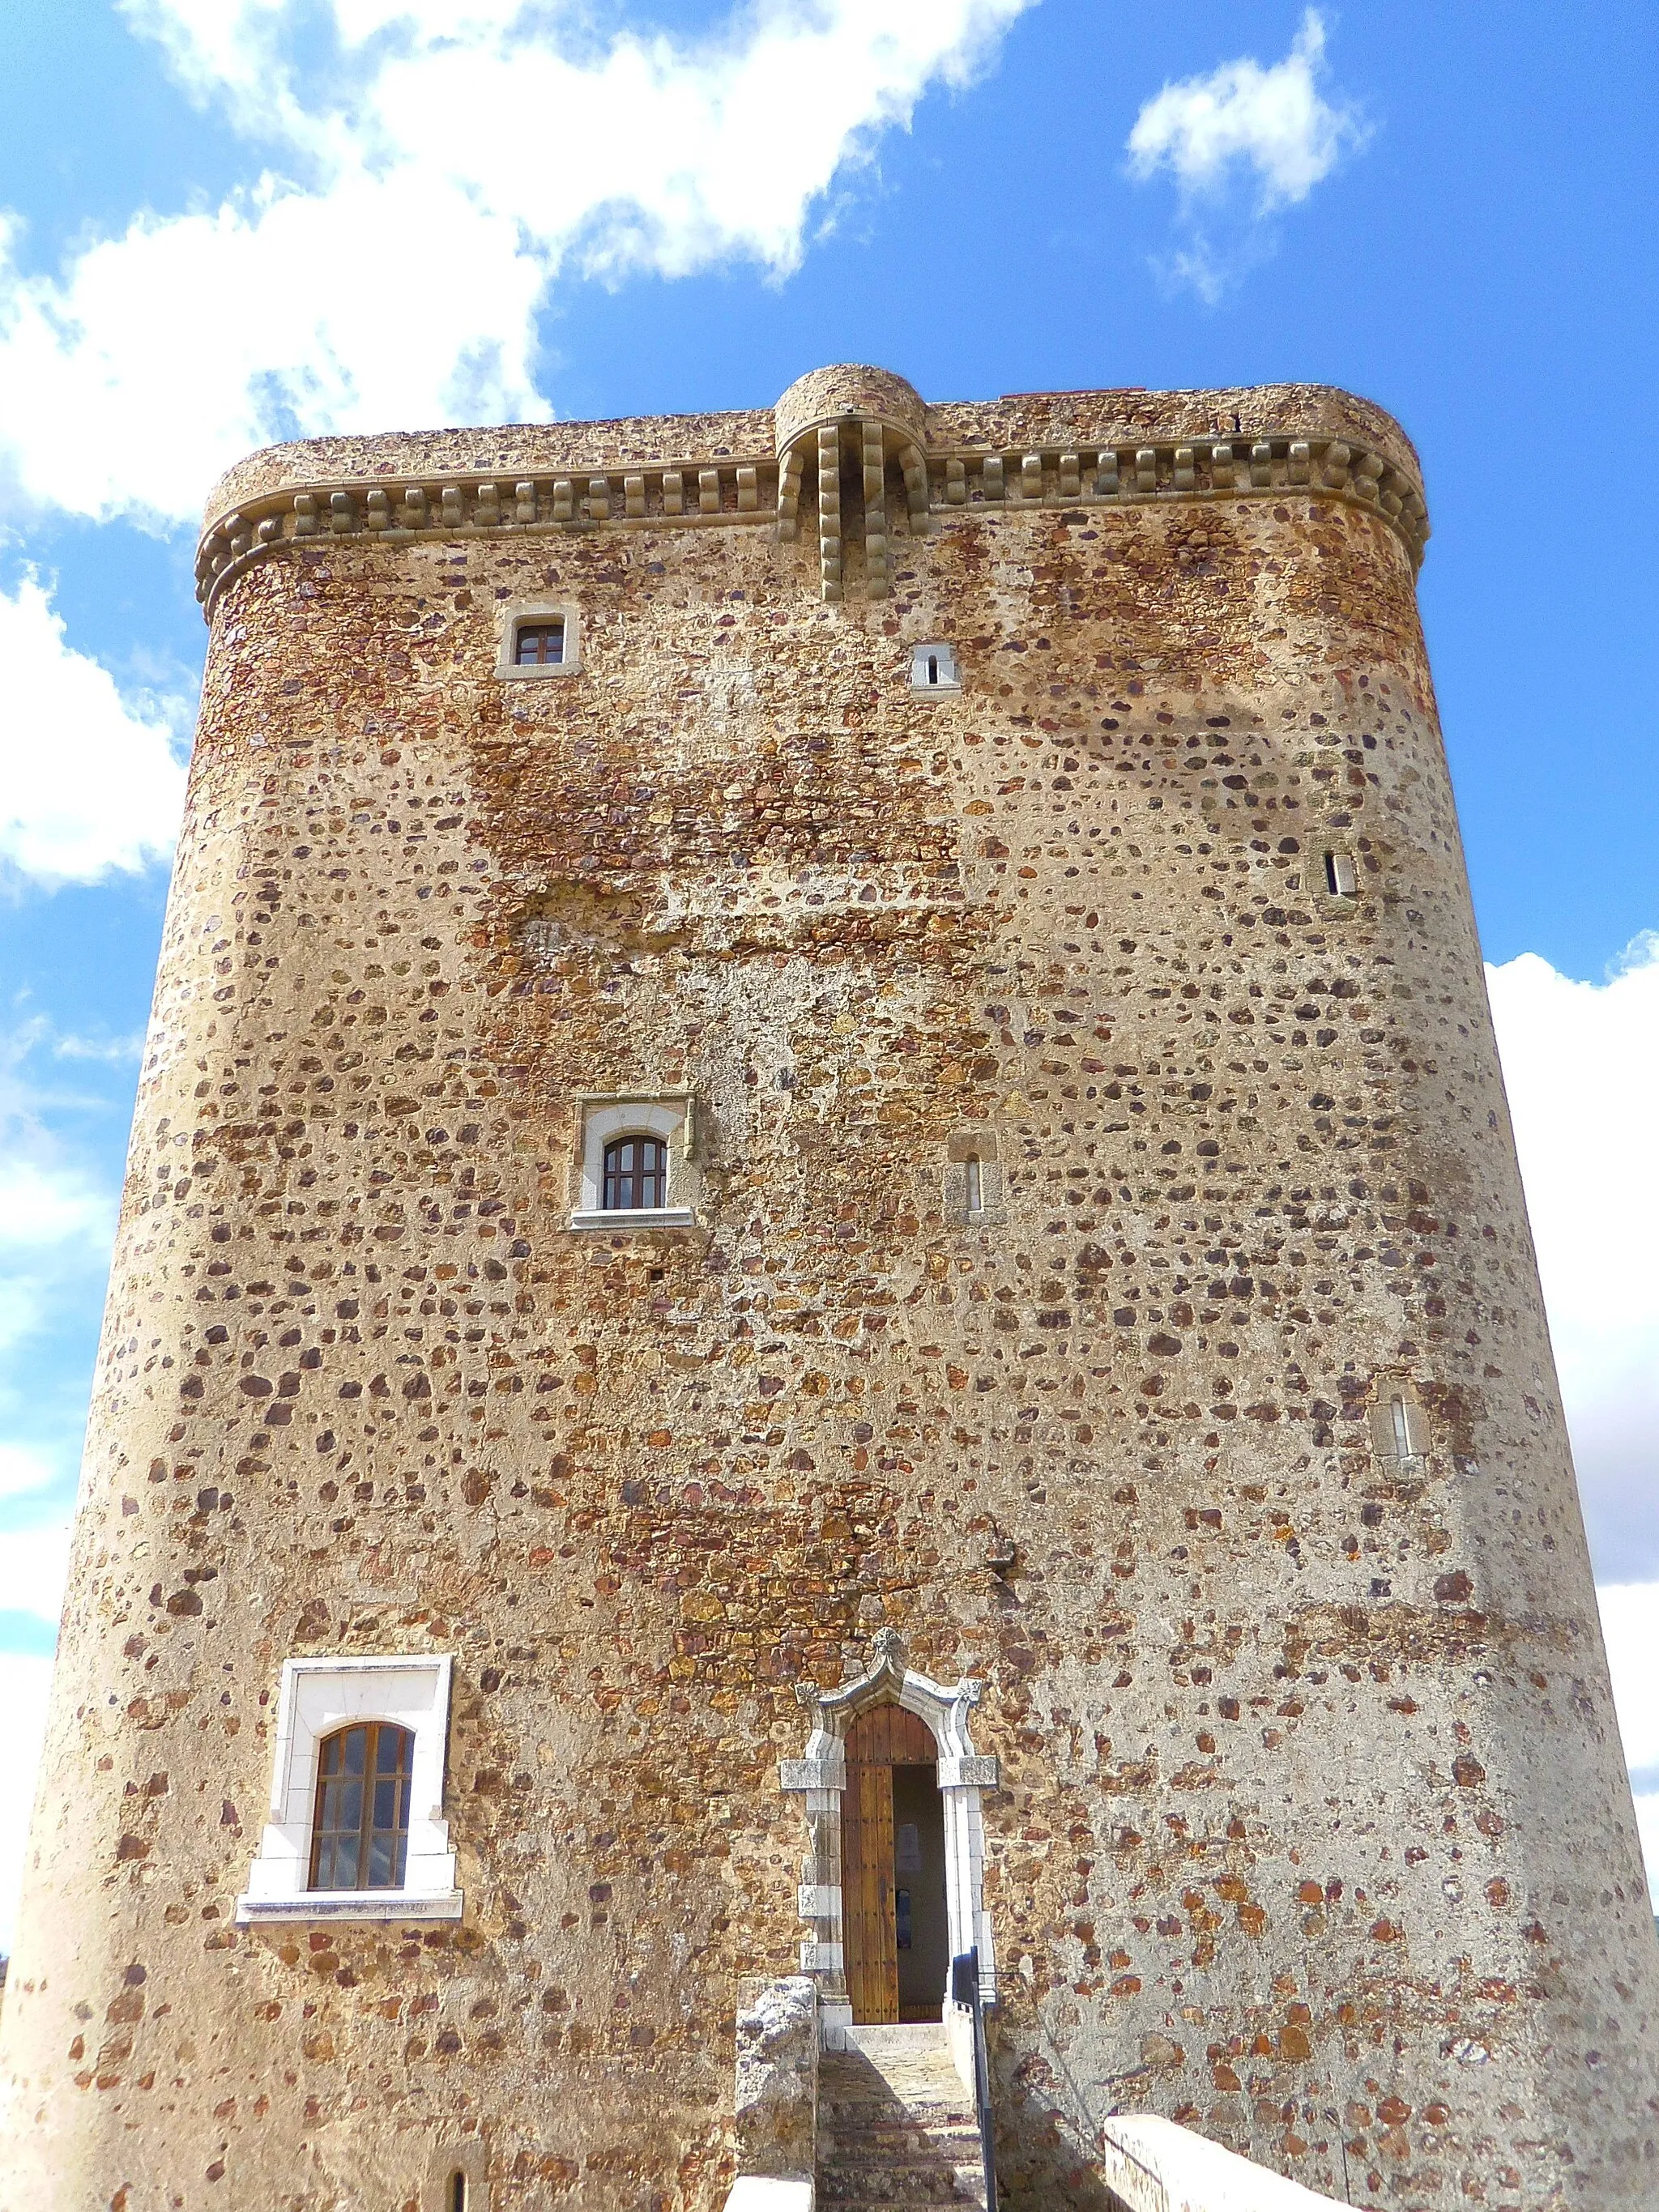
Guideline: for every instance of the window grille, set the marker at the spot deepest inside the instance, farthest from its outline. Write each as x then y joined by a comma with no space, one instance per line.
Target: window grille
360,1837
635,1174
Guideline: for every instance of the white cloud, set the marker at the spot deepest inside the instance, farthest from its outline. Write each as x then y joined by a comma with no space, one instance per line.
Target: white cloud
1647,1824
110,1052
34,1565
1629,1622
57,1221
1274,122
55,1226
1581,1064
42,1205
431,180
88,783
22,1470
24,1683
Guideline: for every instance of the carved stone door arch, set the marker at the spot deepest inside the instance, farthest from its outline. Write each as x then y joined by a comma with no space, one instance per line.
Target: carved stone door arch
821,1778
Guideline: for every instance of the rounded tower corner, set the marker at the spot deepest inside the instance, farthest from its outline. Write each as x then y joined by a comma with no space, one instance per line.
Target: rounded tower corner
849,389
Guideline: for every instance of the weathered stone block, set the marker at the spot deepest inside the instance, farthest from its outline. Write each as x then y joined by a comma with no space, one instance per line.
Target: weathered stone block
777,2077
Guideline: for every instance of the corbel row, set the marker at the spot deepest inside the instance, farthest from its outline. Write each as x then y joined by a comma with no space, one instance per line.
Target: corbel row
736,490
1132,475
763,490
1221,467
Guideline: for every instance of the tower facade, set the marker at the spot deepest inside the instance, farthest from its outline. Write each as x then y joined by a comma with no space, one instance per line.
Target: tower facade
823,1261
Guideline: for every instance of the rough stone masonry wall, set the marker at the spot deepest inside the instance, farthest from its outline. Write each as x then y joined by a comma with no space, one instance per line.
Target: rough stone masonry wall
1315,1833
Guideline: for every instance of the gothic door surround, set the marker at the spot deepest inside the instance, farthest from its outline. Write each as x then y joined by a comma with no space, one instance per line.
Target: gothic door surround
824,1778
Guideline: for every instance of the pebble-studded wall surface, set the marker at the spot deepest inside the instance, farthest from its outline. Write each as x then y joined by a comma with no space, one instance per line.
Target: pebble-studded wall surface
1222,1445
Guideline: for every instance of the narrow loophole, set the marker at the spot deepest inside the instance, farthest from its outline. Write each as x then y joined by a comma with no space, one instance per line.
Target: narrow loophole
1402,1429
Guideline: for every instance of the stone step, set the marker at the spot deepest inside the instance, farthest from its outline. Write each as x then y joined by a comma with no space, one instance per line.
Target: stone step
942,2093
893,2138
952,2144
897,2185
944,2105
895,2132
895,2037
968,2194
966,2188
970,2189
896,2066
911,2177
899,2141
855,2121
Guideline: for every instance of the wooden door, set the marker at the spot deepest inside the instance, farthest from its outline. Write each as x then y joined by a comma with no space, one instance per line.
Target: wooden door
867,1872
884,1737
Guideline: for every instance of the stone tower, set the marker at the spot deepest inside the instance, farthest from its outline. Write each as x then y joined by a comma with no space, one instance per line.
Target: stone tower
821,1074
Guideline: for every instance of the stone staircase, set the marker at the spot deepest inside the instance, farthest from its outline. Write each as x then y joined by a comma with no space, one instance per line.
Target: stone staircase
896,2126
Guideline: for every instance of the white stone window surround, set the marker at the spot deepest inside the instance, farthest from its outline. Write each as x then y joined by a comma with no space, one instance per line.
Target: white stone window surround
821,1777
933,671
319,1696
669,1115
515,613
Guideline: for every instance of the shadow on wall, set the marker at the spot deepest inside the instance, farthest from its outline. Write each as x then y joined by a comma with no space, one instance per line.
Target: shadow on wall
1042,2159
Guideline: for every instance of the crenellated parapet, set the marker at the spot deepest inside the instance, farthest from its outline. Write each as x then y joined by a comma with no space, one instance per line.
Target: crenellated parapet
857,459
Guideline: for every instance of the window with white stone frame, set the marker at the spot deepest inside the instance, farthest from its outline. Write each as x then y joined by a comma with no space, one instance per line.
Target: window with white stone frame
637,1165
538,638
328,1708
933,672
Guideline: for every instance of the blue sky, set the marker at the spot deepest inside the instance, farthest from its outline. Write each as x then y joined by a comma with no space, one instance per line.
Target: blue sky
230,219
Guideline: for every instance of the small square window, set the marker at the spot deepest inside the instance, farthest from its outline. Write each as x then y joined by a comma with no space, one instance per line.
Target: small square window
360,1836
538,644
973,1190
1399,1432
635,1174
538,638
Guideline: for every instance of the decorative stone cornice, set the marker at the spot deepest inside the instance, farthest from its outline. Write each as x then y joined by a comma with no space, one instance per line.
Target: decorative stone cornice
824,421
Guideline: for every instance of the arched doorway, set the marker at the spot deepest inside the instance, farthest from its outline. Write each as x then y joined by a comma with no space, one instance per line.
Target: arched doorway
958,1775
894,1908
